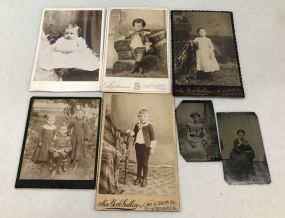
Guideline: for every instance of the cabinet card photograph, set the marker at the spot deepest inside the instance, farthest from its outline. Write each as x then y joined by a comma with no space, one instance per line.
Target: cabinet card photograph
69,51
136,51
204,54
242,150
60,143
197,131
137,164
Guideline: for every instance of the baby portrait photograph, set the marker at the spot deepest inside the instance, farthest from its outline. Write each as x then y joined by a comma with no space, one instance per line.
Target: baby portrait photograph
60,143
136,55
204,54
69,53
242,149
138,161
197,131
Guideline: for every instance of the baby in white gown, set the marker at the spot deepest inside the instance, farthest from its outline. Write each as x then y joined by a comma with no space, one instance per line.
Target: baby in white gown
205,56
69,51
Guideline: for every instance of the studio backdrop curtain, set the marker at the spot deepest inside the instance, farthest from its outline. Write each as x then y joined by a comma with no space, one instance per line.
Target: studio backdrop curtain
88,21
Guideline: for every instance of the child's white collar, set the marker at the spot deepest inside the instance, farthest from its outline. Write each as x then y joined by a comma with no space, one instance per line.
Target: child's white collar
141,125
49,127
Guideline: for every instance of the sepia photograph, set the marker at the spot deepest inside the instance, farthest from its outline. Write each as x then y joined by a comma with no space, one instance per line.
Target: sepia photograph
197,131
137,164
136,50
60,143
204,54
242,150
69,50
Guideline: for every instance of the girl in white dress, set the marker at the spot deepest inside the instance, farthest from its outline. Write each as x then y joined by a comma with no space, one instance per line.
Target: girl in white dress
70,51
205,56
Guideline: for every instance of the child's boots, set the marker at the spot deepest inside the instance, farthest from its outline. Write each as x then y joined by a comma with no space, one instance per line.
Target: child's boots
137,181
144,183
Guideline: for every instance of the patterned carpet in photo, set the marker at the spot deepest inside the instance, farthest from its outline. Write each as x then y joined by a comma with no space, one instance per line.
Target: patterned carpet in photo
160,181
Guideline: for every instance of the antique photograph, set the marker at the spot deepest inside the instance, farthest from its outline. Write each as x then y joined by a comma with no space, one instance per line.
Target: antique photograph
60,143
204,54
136,50
137,164
242,150
197,131
69,53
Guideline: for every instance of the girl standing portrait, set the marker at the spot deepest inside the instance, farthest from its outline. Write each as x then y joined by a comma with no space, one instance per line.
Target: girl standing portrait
46,137
205,56
79,137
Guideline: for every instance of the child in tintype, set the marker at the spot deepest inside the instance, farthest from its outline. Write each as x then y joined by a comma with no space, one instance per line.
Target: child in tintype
79,136
68,52
60,151
144,144
140,43
46,137
205,56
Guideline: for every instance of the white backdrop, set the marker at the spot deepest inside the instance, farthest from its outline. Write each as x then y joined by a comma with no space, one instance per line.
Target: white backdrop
260,34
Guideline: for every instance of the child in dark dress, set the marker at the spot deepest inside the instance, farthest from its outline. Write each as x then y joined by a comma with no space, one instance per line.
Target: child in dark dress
144,144
79,136
46,136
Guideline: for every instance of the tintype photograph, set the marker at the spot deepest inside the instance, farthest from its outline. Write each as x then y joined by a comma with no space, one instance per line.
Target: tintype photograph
137,165
69,53
204,54
242,150
136,55
60,143
197,131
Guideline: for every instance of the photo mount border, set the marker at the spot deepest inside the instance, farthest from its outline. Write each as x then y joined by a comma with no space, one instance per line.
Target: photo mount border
62,184
206,90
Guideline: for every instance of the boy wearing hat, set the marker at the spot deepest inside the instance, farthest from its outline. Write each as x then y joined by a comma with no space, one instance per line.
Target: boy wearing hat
139,44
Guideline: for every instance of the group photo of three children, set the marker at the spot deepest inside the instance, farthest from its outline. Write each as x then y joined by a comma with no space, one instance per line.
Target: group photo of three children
62,138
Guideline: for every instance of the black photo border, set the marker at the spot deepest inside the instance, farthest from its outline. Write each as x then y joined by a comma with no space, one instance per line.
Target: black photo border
204,90
60,184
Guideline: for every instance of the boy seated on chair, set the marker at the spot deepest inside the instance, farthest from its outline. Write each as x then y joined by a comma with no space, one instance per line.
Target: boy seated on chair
140,42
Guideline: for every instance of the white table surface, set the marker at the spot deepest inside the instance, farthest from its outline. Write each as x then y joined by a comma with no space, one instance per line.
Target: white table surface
260,33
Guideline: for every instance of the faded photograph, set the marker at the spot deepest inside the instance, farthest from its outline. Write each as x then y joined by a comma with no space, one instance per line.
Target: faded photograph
69,46
197,131
204,51
138,158
61,139
137,43
243,155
